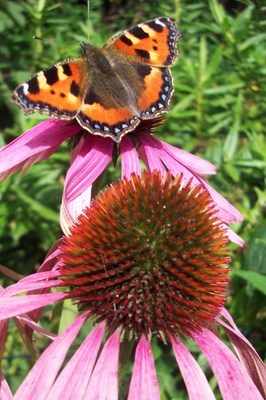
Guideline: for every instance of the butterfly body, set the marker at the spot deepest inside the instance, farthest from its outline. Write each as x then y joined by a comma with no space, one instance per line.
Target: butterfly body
109,90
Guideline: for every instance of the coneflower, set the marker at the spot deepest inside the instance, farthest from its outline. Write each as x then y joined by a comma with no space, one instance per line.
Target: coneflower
147,259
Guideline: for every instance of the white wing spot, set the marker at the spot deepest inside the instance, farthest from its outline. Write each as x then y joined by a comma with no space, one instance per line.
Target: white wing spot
158,22
25,88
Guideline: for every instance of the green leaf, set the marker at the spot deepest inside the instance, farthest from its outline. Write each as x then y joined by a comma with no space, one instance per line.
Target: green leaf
258,281
231,141
36,206
217,11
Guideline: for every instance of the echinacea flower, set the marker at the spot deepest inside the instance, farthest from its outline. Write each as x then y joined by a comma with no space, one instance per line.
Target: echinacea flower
148,259
93,154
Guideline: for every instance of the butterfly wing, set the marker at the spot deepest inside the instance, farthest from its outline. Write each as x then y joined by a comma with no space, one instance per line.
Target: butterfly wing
105,120
57,91
152,42
157,91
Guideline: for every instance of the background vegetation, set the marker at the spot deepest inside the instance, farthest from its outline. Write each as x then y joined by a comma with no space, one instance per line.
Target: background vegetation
218,112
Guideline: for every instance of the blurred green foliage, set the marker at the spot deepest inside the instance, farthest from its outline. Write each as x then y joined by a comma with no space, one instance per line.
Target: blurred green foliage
218,112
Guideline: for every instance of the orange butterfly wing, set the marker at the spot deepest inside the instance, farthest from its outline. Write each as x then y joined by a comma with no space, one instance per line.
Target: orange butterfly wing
157,91
112,122
152,42
57,91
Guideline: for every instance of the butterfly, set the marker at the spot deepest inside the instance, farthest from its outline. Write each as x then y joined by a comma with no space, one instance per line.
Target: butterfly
109,90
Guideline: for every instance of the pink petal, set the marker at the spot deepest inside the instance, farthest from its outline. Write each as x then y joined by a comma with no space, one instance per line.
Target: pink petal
245,351
234,237
144,383
25,320
233,380
195,380
103,384
150,155
73,380
91,158
72,209
35,144
39,280
130,162
228,213
17,305
51,258
194,163
5,392
41,377
3,336
48,264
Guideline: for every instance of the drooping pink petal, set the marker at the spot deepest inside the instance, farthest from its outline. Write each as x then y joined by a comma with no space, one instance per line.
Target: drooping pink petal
3,336
103,384
245,351
17,305
5,392
38,382
234,237
144,383
91,157
130,162
194,163
50,262
195,380
94,154
51,258
150,156
35,144
73,380
33,282
26,321
72,209
229,213
233,380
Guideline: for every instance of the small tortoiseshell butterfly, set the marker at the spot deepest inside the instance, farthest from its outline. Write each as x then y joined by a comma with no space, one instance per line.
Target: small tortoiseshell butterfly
109,90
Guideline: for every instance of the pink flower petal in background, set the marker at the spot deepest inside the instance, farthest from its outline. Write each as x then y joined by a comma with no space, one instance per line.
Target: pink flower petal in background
245,351
130,162
5,392
195,380
34,145
103,384
73,380
38,382
233,380
144,383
